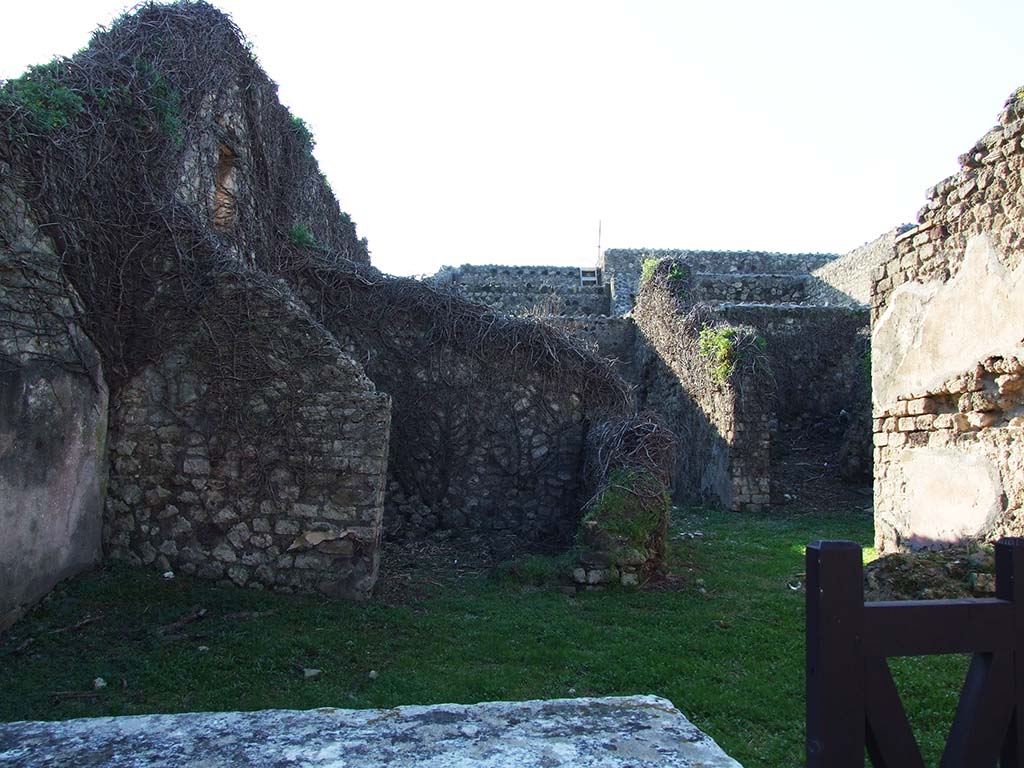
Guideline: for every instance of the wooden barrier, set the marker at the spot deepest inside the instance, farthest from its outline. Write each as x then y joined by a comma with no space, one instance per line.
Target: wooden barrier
852,701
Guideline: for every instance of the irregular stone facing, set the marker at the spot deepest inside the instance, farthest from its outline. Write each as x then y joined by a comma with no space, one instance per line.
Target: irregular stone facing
527,289
949,462
610,337
846,281
818,357
754,288
948,356
621,269
503,461
813,377
634,731
985,196
590,301
264,470
503,276
723,427
477,447
53,416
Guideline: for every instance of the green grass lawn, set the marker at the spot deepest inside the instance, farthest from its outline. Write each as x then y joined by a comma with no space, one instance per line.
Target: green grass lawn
727,646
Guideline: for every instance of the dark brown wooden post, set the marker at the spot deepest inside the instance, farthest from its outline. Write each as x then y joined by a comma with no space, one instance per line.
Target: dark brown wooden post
1010,586
835,665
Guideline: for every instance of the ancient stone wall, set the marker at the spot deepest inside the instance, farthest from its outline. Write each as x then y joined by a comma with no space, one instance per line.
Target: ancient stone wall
537,291
477,449
750,288
722,422
261,463
621,270
53,415
496,276
819,359
609,337
804,382
236,313
543,302
846,281
948,355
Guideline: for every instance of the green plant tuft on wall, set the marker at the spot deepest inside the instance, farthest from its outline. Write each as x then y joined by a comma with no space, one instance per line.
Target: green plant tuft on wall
647,269
301,236
161,99
38,98
301,129
719,346
677,272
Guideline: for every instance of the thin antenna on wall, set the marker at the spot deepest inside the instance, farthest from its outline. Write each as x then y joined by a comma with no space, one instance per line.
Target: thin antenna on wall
598,241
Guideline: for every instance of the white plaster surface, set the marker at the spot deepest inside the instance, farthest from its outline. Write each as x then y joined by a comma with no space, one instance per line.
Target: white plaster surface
634,731
950,494
52,475
932,332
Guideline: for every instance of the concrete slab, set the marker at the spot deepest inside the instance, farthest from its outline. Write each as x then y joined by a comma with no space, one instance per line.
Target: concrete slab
635,731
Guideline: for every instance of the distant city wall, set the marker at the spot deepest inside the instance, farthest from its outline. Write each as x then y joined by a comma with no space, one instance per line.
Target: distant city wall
528,290
621,270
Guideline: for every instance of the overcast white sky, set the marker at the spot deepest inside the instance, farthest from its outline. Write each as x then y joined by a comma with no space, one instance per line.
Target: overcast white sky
502,132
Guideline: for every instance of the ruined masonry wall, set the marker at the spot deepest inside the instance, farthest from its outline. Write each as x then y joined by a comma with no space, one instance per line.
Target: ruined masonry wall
197,485
771,289
723,428
511,277
587,301
53,415
495,454
621,269
948,356
610,337
527,290
819,359
847,280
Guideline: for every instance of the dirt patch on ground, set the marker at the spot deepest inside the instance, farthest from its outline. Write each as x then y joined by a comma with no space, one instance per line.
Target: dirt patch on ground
806,474
948,574
410,570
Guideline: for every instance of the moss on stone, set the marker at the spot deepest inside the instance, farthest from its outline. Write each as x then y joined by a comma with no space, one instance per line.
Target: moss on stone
629,518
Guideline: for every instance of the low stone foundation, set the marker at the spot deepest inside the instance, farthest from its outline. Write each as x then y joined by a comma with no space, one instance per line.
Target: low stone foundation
635,731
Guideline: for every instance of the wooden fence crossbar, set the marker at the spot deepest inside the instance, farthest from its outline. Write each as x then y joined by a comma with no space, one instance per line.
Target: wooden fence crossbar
853,706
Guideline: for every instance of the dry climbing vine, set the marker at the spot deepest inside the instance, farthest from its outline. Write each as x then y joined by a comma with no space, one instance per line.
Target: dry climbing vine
159,163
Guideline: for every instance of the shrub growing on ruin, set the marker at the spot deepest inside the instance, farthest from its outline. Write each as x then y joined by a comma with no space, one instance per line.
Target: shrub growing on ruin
301,129
301,236
719,346
38,101
664,270
648,268
724,347
628,463
628,519
676,271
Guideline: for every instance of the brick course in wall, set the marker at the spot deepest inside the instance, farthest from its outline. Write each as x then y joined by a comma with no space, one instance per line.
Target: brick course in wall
948,408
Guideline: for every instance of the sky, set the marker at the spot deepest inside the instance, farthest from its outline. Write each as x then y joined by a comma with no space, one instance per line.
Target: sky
494,132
